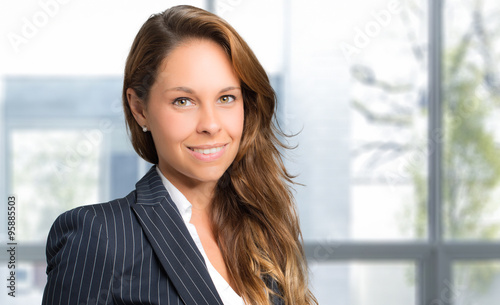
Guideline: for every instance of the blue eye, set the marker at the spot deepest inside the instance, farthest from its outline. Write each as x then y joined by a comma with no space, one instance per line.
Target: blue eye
226,99
183,102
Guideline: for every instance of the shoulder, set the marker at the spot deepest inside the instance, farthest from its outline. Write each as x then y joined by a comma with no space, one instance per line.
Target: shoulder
81,246
82,216
86,221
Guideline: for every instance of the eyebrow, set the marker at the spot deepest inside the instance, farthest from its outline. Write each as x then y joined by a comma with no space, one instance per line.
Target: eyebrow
191,91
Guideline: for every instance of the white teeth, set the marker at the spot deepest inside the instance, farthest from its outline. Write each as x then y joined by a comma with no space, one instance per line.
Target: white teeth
208,151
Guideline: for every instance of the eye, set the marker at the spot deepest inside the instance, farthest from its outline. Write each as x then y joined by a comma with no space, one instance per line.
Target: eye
183,102
226,99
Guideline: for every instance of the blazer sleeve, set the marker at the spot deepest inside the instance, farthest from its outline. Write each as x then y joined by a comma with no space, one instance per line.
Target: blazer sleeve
78,268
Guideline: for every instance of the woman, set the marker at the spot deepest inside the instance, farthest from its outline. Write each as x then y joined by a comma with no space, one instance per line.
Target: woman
213,222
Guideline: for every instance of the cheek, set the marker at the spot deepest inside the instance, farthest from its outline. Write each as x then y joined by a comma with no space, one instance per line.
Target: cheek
235,123
171,128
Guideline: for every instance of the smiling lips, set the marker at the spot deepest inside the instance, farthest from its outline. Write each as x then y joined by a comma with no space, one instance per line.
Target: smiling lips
208,154
208,151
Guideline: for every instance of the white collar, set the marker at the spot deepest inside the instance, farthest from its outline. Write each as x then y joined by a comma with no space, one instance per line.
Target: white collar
183,205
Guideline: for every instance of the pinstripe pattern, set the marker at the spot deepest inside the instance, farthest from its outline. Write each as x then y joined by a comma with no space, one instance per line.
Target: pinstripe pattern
133,250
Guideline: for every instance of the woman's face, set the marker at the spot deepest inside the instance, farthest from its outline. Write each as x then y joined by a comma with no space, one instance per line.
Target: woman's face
195,113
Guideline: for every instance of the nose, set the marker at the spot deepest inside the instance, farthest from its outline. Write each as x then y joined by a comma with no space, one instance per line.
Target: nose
208,121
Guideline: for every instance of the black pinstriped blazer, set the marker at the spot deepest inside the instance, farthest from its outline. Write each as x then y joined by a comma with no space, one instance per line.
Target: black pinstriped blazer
134,250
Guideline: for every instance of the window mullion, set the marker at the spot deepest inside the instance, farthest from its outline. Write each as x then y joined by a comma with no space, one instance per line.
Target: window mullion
436,270
210,5
435,123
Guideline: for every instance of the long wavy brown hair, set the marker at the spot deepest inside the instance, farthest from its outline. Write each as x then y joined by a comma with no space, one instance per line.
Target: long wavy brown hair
253,212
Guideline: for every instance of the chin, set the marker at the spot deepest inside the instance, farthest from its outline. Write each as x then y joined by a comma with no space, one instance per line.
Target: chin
211,175
210,178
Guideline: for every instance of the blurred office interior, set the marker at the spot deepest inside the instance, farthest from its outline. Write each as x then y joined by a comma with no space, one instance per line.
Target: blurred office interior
395,106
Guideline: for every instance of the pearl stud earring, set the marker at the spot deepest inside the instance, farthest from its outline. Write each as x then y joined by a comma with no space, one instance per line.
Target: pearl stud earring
144,128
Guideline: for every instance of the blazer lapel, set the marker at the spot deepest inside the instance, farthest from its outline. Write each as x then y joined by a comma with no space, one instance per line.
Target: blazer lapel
172,243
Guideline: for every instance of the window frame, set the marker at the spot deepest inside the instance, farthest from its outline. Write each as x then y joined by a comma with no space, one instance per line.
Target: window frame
434,258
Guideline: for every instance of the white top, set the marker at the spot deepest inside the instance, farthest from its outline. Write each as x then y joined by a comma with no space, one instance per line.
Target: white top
226,292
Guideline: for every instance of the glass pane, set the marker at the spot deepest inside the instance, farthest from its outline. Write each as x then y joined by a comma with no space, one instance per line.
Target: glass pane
471,188
55,38
476,283
355,88
388,111
52,171
363,283
264,37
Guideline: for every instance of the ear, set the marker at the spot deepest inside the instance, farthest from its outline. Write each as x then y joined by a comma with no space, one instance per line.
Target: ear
137,106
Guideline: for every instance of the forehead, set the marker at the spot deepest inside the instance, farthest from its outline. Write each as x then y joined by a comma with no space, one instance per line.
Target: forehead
198,62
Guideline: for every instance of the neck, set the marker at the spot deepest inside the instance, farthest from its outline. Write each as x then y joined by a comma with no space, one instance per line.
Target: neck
200,195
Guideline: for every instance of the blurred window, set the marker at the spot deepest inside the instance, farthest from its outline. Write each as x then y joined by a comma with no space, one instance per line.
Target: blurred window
395,105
